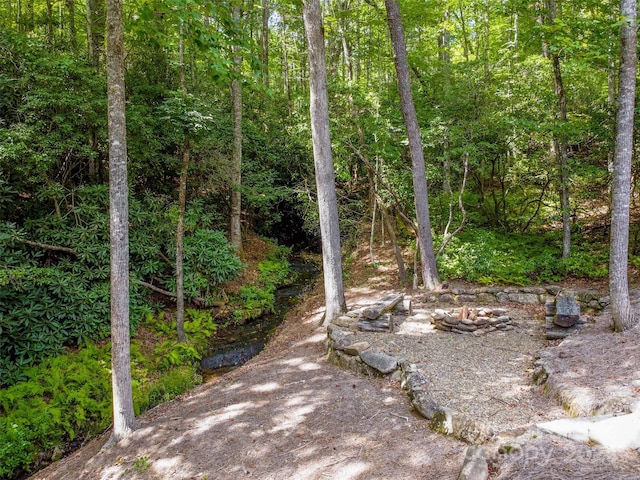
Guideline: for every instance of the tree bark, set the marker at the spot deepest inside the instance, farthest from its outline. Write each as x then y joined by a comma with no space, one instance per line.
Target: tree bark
71,8
236,162
124,422
623,316
95,30
560,143
428,262
325,180
182,206
265,41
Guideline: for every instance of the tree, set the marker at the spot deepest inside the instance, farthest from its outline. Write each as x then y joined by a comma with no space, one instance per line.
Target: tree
623,316
335,303
236,162
425,239
124,422
182,202
559,143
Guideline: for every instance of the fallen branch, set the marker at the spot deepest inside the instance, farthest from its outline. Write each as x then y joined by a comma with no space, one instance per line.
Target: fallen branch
46,246
199,301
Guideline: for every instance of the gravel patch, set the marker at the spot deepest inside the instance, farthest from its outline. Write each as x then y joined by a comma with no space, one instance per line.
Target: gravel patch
488,377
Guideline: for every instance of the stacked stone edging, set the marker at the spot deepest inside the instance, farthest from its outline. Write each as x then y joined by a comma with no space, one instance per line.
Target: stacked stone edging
348,353
587,299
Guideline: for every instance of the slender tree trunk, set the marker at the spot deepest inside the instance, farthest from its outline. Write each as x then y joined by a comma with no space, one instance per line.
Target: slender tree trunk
623,316
265,41
325,180
124,421
95,30
428,261
50,32
236,162
182,204
71,9
560,144
285,67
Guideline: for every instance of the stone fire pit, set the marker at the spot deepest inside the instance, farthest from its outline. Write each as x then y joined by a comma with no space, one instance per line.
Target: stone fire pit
475,321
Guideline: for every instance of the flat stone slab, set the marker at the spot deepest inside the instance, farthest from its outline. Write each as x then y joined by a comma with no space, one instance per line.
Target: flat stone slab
380,361
613,432
380,324
475,466
385,304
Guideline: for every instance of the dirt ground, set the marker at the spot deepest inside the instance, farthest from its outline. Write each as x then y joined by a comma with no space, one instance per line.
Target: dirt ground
288,414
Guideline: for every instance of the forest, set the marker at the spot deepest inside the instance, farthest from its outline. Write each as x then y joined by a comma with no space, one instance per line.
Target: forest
516,102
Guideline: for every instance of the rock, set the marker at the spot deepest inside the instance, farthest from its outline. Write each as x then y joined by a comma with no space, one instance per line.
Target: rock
381,324
466,298
557,333
457,330
480,321
554,289
446,298
535,290
550,308
439,314
442,421
526,298
567,310
604,301
467,321
405,306
485,297
383,305
466,328
415,381
356,348
424,403
442,327
345,321
499,312
380,361
613,432
475,466
466,428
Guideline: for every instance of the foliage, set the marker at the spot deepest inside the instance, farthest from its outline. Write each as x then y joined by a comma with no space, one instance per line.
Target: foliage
65,397
485,256
259,298
68,397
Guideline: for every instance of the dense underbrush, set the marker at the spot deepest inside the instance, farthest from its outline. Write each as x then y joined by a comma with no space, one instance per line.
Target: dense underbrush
55,404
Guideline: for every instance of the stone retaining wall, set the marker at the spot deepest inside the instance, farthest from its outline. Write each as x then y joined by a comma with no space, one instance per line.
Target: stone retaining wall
588,300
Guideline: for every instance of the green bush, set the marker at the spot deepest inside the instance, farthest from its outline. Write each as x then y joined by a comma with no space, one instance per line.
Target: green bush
260,298
485,256
172,383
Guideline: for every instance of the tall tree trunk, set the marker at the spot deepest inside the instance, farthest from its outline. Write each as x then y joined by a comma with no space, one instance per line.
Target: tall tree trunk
124,421
182,204
623,317
95,30
50,32
71,9
428,261
265,41
560,143
285,67
325,180
236,162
